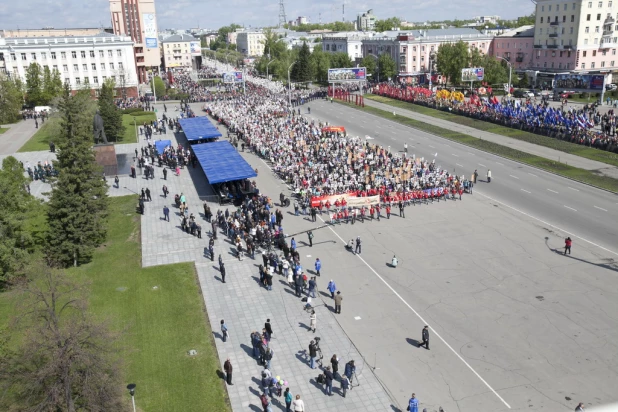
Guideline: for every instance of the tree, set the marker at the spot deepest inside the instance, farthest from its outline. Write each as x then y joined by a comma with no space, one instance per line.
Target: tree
159,87
77,208
387,67
320,62
111,115
451,58
34,85
18,237
388,24
524,82
496,71
11,99
273,44
301,72
370,63
340,60
526,20
65,360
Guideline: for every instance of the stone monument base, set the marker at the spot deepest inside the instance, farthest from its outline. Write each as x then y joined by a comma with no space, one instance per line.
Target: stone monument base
105,155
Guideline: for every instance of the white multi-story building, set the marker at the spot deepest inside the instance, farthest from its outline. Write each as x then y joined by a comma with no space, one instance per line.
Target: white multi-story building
366,21
80,60
179,49
350,43
250,43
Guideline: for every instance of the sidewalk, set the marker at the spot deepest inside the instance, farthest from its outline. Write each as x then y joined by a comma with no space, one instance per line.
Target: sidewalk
16,136
573,160
245,305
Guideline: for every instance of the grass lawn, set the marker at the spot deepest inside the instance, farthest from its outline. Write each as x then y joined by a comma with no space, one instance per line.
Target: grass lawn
566,147
561,169
127,121
40,140
3,129
161,324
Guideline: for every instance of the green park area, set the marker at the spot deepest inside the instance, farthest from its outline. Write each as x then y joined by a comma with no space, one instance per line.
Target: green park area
556,144
581,175
133,122
3,129
160,314
40,140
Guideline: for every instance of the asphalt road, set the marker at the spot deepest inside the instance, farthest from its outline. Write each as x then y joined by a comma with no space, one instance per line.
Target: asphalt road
583,211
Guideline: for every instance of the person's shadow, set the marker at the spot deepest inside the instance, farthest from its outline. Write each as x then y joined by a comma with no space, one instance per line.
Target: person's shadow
413,342
610,266
220,374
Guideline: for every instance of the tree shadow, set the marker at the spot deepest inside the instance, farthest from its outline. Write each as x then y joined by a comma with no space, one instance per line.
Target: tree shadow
613,266
413,342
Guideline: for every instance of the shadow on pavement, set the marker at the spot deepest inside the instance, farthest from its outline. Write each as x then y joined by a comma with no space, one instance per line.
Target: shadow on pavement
609,266
413,342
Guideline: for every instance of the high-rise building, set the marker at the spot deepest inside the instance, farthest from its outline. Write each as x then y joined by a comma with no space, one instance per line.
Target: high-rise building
138,20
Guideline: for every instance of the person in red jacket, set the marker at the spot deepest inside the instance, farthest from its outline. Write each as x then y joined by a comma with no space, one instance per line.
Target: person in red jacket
567,245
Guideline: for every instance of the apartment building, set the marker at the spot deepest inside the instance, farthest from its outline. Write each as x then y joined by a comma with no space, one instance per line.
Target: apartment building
516,46
250,43
80,60
179,49
350,43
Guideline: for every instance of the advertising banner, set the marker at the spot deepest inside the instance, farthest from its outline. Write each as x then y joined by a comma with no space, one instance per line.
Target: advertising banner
579,82
150,30
196,48
363,201
315,200
472,74
228,78
237,77
351,74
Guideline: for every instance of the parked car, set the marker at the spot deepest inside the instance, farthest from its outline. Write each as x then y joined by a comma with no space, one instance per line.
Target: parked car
566,94
519,93
611,86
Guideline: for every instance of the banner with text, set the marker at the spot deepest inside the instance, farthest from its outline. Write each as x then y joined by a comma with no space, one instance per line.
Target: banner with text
150,30
346,75
579,82
363,201
472,74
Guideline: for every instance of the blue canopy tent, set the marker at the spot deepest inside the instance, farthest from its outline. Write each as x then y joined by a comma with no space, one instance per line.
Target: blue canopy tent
199,128
222,163
162,144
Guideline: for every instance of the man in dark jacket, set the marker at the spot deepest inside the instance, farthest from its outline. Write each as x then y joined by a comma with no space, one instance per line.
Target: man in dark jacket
329,381
268,328
313,353
227,366
425,334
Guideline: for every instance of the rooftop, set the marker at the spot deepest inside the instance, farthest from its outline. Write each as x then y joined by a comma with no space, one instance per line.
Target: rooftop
179,38
98,38
523,31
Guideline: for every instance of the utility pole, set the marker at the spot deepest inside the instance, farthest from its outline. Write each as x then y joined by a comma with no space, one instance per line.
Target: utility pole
282,18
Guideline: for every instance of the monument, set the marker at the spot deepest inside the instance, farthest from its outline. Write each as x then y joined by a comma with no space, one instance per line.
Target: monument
99,131
105,152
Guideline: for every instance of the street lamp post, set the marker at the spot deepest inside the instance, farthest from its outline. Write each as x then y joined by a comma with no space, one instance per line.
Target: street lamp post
432,56
131,388
290,85
135,125
267,68
510,72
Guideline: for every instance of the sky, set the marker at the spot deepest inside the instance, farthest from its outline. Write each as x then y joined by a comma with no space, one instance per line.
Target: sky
210,14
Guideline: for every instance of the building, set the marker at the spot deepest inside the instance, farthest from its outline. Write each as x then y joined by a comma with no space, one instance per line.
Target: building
232,36
576,36
302,20
209,38
52,32
350,43
487,19
179,50
137,19
366,21
516,46
250,43
79,59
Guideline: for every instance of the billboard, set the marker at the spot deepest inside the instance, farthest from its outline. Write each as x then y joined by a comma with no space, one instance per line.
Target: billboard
196,48
351,74
232,77
577,82
472,74
150,30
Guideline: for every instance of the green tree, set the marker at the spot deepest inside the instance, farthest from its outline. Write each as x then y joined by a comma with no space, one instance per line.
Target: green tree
111,115
34,85
387,67
159,86
370,63
451,58
11,99
320,61
496,71
340,60
302,71
524,82
526,20
77,208
388,24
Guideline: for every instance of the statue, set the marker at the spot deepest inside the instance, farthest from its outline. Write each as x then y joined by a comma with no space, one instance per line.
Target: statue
99,132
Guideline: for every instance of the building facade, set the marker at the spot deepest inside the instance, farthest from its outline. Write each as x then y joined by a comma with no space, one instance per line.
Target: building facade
516,46
352,44
52,32
137,19
250,43
80,60
366,21
179,49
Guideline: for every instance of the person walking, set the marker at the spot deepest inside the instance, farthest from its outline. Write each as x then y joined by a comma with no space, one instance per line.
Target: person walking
345,384
310,236
357,250
580,407
334,363
268,328
166,213
298,405
488,176
227,367
222,269
338,299
287,396
268,356
148,195
349,370
318,266
425,336
413,404
313,353
311,287
165,191
164,173
332,287
224,333
567,245
265,403
117,182
328,387
312,321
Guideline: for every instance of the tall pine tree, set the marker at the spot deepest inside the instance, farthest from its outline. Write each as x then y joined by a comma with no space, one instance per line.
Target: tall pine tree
111,115
301,72
77,208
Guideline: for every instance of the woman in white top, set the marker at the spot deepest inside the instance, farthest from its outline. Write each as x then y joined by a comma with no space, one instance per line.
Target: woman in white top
298,405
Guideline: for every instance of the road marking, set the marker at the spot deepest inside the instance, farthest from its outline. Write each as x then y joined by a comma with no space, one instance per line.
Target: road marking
357,318
498,163
577,190
421,318
482,165
532,174
600,208
553,191
514,177
431,146
471,154
547,223
524,191
379,127
454,155
459,165
570,208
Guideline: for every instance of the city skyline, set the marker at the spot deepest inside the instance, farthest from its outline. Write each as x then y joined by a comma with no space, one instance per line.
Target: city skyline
254,13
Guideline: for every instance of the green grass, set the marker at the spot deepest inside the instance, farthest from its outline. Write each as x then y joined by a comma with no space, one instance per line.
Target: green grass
127,121
161,325
3,129
584,176
40,140
545,141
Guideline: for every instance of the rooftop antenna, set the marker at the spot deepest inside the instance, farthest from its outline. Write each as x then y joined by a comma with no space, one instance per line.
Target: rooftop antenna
282,18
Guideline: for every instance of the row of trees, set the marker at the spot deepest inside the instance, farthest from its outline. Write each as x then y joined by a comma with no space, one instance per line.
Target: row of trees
11,99
451,58
42,85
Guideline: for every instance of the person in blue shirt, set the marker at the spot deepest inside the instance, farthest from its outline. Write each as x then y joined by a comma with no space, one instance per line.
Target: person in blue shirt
293,244
332,288
318,266
413,404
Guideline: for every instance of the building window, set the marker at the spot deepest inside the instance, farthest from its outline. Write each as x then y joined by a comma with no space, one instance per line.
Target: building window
599,16
78,80
542,8
587,29
104,78
583,65
101,53
550,7
83,54
613,53
102,66
589,4
23,56
584,53
611,63
95,79
594,53
585,41
600,4
564,19
588,17
75,67
74,54
592,65
119,53
43,55
111,65
63,55
571,30
541,30
572,18
603,64
55,67
84,67
65,68
110,53
86,80
91,53
541,19
609,4
120,65
114,78
33,55
67,80
94,66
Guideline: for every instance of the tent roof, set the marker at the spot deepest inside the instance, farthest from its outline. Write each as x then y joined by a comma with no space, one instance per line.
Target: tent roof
197,128
162,144
222,163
